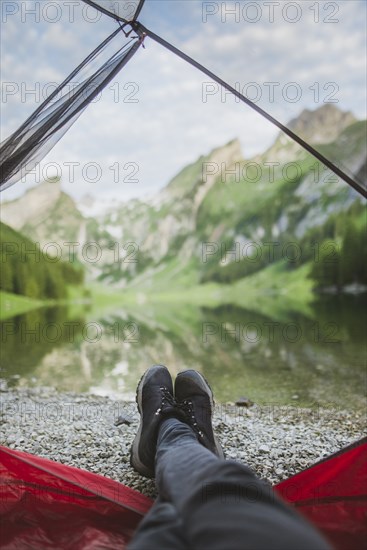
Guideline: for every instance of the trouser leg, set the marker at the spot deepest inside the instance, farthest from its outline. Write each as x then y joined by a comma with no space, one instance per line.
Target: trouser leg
222,504
161,529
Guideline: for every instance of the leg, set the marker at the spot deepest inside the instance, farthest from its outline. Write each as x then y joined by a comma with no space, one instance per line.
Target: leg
222,503
161,529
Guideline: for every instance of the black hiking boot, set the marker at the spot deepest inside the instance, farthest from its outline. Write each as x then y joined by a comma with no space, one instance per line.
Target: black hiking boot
195,398
154,396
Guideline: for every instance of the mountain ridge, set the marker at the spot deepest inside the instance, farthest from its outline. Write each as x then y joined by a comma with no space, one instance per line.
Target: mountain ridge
215,198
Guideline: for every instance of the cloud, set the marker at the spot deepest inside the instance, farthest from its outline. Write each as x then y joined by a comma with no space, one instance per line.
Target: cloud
171,125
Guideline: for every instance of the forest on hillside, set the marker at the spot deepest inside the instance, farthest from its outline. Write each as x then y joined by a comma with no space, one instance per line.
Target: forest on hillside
336,250
26,270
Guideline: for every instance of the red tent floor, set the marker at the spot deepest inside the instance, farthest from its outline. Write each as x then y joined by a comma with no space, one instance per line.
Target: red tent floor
47,505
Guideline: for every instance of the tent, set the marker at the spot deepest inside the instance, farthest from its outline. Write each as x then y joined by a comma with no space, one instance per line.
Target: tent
27,146
40,497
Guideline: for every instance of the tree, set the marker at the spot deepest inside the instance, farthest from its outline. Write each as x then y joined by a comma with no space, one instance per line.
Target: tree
350,262
31,288
6,276
325,269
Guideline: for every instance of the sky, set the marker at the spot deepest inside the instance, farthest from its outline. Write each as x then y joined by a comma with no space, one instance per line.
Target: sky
160,114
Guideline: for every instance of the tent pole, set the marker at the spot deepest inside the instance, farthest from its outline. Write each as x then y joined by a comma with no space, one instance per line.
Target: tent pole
357,186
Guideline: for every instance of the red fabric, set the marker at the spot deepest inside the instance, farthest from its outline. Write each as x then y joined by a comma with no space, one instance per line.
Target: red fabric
47,505
332,494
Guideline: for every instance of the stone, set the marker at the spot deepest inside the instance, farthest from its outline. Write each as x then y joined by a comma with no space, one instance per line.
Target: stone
244,402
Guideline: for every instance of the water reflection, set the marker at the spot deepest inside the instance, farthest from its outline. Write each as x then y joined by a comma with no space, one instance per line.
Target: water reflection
303,360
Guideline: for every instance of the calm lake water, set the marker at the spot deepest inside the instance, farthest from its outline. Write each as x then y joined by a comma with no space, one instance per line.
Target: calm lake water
318,359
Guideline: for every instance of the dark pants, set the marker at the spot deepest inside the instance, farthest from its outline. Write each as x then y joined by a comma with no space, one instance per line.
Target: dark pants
207,503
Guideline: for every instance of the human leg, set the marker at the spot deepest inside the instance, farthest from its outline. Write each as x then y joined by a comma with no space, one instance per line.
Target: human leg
160,529
220,504
223,505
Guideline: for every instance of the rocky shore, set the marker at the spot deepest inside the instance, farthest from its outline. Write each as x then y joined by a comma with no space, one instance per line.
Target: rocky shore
80,430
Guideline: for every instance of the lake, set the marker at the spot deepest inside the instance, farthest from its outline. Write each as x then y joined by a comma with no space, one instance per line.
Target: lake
312,360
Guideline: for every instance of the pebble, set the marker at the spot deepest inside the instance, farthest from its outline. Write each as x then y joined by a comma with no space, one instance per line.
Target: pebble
124,419
85,431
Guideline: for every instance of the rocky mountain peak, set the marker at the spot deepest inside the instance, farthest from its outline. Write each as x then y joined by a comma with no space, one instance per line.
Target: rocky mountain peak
33,205
322,125
191,178
219,159
232,148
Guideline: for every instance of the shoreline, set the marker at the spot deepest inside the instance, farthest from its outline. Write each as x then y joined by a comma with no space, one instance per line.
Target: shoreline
79,430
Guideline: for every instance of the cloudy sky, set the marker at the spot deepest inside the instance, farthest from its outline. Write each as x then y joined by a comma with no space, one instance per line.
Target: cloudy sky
160,114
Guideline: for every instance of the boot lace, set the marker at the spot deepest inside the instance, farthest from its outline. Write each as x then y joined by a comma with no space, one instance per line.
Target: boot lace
187,408
168,402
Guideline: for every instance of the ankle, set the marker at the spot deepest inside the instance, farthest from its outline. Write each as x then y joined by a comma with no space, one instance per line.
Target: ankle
173,429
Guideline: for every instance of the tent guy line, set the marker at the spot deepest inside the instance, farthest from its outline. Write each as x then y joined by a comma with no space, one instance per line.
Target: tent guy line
139,28
358,187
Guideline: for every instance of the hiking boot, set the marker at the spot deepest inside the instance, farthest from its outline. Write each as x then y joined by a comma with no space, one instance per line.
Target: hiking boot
195,398
154,396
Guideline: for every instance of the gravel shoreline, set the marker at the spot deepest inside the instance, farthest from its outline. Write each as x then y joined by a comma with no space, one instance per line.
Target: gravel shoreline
79,430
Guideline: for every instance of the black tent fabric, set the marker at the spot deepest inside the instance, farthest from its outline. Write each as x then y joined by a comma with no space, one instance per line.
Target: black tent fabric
42,130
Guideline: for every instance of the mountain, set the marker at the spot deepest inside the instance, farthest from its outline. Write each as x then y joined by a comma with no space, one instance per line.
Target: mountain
224,202
197,228
44,213
323,125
